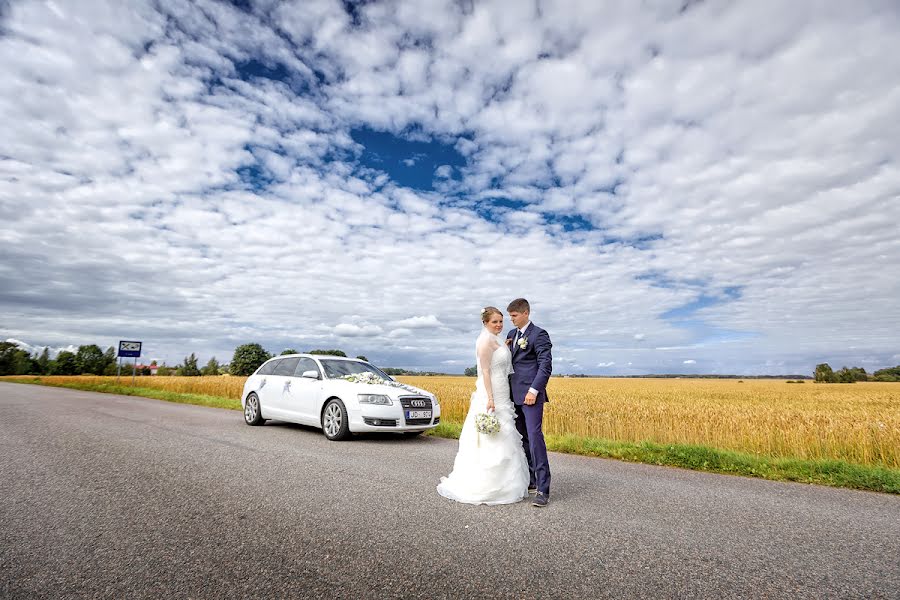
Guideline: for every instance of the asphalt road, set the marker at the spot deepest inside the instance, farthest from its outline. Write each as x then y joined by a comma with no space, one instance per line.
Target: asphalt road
118,497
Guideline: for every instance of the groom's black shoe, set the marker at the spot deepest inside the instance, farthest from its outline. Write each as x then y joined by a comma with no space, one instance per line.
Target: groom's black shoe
540,500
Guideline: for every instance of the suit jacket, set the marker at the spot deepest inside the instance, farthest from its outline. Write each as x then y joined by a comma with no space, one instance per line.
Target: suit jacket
533,365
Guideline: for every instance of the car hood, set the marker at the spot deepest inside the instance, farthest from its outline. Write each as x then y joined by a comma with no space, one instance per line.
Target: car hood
394,391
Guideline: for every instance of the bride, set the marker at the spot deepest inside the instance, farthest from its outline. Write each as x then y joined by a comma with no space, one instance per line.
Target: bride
489,469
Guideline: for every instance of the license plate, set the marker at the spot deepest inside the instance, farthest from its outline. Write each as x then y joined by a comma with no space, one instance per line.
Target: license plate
418,414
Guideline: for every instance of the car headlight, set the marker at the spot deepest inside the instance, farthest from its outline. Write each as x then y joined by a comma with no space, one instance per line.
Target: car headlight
374,399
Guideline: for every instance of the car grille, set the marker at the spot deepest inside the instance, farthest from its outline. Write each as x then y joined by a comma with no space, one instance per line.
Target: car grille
416,403
380,422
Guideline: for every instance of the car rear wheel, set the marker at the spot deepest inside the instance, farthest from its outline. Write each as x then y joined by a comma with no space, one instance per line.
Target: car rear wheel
252,413
335,423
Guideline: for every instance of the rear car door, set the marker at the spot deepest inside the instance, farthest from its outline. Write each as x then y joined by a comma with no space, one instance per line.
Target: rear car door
259,383
279,387
305,393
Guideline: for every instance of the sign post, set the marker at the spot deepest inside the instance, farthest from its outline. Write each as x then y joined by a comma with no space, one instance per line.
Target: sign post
129,349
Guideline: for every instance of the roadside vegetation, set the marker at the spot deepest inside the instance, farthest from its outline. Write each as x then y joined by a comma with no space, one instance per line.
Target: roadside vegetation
845,436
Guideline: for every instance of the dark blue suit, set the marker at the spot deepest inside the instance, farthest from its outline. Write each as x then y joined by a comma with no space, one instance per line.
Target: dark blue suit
533,365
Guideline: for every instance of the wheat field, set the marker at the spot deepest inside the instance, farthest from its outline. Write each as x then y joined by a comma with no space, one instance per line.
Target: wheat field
858,423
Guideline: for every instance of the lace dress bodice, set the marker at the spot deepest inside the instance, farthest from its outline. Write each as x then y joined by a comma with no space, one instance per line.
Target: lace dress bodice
500,370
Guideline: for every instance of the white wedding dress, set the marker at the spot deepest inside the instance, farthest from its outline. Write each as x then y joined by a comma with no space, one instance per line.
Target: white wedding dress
489,469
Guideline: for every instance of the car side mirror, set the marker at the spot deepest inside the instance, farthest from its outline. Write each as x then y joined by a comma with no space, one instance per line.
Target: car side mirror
311,374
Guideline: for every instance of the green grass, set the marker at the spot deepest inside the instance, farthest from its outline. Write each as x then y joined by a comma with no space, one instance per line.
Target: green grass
698,458
127,390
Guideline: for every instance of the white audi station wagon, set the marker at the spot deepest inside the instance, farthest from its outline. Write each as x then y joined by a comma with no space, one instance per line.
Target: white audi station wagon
341,396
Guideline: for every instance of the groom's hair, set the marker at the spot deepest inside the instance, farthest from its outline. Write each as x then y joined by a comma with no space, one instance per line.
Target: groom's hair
519,305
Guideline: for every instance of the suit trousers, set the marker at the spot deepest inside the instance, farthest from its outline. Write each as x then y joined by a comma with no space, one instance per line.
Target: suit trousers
530,424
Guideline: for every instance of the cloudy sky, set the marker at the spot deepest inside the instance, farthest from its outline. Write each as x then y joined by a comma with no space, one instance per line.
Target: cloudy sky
694,187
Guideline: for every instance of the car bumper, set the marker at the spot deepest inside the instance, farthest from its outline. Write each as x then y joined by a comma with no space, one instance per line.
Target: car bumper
388,418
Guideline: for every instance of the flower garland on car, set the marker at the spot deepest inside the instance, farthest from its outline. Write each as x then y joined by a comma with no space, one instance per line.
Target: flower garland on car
373,379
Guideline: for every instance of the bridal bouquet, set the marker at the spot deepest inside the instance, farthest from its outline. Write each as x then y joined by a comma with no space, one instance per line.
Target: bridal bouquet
486,423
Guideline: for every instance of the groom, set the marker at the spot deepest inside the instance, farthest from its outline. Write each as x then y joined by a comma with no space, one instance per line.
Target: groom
532,362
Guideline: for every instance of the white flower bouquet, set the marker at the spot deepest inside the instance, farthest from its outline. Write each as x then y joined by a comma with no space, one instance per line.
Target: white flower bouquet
486,423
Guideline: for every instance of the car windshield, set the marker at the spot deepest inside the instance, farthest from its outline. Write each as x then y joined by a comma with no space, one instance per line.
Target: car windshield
335,369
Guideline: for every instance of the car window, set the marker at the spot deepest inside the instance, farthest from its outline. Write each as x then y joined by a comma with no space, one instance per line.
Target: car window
268,368
335,369
306,364
286,366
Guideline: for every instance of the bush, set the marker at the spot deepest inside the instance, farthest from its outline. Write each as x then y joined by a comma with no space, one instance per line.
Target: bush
328,352
247,358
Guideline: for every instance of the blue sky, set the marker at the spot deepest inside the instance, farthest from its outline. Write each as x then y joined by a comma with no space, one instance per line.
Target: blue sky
699,188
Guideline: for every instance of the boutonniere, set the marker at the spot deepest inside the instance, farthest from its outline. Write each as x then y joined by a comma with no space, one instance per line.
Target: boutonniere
522,343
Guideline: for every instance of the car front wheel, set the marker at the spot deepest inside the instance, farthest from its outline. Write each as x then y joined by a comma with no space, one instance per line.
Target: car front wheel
335,423
252,413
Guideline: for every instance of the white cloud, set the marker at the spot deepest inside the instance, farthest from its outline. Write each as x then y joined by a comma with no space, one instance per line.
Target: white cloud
353,330
713,162
422,322
38,350
605,365
690,362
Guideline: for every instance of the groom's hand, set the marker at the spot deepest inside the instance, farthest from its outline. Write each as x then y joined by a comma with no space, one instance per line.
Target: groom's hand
530,398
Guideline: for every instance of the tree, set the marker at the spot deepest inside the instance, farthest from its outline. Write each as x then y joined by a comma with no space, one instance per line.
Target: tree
211,368
328,352
824,374
110,358
846,375
90,359
289,351
472,371
43,362
15,360
361,357
164,371
65,364
189,369
889,374
247,358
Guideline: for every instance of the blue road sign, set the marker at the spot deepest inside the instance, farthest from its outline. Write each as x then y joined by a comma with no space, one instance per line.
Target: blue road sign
129,349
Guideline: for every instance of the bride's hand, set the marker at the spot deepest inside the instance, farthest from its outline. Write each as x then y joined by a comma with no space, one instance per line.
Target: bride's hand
508,342
490,405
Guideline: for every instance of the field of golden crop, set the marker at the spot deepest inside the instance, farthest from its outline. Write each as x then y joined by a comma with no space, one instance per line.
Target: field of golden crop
859,423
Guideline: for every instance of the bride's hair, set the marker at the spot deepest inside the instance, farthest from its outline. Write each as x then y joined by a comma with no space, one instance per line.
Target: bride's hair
487,311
